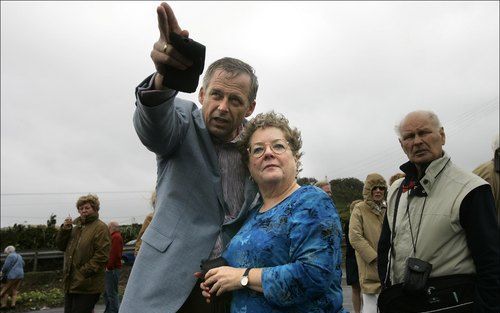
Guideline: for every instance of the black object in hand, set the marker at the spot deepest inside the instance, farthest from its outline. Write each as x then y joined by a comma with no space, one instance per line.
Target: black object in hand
222,302
185,80
207,265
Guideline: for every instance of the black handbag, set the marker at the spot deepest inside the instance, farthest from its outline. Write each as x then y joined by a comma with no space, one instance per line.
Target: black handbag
446,294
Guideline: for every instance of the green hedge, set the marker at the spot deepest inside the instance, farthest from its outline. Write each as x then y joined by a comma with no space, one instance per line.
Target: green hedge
42,237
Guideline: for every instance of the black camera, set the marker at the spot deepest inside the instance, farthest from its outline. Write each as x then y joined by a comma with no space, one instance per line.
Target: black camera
416,275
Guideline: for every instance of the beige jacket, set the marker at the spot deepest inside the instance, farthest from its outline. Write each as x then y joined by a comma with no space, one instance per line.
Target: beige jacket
145,225
365,227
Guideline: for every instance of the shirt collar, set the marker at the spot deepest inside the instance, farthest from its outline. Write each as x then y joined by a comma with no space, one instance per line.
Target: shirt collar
431,173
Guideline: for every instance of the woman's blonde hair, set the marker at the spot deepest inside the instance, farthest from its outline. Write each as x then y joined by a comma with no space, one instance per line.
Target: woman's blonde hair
91,199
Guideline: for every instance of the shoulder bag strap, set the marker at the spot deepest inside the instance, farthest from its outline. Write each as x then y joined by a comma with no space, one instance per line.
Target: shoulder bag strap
17,259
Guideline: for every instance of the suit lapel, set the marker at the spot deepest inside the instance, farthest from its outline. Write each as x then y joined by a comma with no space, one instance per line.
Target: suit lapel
211,156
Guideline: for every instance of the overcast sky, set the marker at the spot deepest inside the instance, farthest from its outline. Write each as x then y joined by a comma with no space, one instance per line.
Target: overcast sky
344,73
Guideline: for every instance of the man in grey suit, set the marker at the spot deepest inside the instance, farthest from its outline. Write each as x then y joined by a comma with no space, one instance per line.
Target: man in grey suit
203,187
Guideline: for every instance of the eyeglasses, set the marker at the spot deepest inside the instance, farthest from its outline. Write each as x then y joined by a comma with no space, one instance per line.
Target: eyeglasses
379,188
278,146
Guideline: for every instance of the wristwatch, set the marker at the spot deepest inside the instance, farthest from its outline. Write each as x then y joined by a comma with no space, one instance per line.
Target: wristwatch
244,278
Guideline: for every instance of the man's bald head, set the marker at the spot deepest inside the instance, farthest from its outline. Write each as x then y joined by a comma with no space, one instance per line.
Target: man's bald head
113,226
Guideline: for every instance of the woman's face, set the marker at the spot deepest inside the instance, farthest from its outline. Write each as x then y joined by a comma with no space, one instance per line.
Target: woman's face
276,164
86,210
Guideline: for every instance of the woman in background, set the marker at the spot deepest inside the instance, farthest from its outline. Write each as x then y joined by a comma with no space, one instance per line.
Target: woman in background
145,224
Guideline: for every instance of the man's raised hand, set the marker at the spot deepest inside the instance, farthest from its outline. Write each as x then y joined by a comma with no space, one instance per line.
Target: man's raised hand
163,52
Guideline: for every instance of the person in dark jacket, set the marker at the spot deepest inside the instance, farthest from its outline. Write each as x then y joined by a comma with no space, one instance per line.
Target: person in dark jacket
113,269
351,266
86,248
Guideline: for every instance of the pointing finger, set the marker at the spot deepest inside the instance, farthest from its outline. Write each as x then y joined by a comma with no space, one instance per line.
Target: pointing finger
172,20
163,23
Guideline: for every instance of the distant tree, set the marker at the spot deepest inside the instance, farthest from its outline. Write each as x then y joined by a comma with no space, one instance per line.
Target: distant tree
346,190
130,232
306,181
51,222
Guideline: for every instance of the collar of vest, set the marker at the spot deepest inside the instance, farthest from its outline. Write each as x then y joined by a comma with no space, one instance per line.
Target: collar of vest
432,172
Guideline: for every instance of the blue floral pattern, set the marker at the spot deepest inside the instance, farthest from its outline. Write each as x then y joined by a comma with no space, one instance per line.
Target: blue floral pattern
297,243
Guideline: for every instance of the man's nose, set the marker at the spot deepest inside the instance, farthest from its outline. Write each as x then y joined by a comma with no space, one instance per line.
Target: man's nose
223,105
417,140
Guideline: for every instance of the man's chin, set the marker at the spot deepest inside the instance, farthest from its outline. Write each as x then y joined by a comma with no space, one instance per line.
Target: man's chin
219,133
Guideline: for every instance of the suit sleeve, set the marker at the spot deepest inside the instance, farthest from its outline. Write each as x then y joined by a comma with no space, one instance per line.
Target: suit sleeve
357,239
158,121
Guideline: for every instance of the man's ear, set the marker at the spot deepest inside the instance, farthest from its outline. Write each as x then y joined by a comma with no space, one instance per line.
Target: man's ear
201,95
443,135
400,143
250,109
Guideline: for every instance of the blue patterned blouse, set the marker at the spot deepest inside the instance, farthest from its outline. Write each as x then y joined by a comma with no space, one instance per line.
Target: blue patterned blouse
297,243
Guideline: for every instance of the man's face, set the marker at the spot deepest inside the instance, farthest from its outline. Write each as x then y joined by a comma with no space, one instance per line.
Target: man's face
327,189
86,210
225,104
421,140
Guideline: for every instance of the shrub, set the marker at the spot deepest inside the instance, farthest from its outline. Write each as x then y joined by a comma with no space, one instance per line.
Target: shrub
35,300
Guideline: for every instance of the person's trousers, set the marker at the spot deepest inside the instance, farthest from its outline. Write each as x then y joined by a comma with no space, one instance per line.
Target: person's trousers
111,298
196,303
80,303
369,303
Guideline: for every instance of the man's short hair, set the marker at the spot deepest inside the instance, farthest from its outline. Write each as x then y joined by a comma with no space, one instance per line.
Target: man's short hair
91,199
322,183
114,225
233,67
430,115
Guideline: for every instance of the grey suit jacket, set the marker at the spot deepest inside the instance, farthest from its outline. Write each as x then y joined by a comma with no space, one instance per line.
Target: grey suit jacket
189,209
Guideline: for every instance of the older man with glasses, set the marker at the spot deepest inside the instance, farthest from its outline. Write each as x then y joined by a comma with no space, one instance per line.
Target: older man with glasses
365,227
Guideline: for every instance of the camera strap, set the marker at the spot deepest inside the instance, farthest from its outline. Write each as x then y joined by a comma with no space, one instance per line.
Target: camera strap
414,240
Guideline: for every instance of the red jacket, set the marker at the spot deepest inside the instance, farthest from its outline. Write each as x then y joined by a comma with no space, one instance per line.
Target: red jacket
115,254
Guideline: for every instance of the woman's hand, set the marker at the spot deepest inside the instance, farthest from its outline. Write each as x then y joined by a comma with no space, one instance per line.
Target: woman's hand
221,279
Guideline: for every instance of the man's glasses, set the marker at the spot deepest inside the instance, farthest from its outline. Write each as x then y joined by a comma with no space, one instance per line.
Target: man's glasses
379,188
278,146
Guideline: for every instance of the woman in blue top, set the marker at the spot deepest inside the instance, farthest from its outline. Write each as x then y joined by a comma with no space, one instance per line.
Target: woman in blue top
13,270
286,257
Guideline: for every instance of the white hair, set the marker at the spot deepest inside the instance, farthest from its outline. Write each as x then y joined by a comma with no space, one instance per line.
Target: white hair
113,225
430,115
9,249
